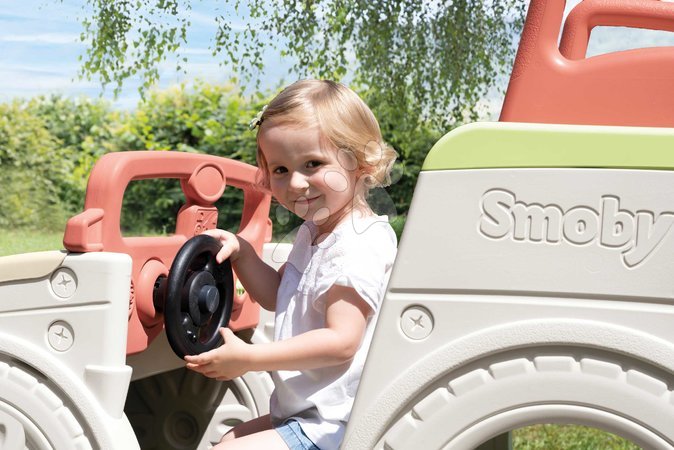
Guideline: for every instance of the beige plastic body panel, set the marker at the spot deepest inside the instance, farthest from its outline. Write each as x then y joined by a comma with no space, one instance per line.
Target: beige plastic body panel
521,295
63,377
569,232
64,373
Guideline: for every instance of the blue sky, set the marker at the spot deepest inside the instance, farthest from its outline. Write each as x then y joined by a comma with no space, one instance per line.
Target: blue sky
39,48
40,45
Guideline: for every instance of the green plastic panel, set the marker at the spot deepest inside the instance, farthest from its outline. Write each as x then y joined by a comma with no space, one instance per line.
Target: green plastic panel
502,144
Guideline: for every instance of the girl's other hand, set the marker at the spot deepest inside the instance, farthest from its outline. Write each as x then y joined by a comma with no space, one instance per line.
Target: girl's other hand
232,359
230,244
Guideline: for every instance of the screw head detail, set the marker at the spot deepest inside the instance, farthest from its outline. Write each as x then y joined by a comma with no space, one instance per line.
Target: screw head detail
416,323
60,336
64,283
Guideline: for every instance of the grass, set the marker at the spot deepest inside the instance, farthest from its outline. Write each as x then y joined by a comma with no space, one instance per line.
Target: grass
567,437
23,241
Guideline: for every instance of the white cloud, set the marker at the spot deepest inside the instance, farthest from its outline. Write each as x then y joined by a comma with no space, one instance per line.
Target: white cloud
44,14
43,38
187,51
612,39
197,18
33,79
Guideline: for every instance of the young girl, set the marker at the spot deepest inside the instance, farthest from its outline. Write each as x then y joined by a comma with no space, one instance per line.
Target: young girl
319,150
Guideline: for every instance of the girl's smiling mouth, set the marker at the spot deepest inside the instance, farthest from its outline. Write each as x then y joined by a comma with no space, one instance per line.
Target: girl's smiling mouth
307,200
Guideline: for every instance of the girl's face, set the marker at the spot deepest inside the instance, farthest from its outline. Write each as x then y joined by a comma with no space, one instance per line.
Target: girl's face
317,184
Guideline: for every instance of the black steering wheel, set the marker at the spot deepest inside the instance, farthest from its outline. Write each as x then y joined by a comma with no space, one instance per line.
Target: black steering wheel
198,297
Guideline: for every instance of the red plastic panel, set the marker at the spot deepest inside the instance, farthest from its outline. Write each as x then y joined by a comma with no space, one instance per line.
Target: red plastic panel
559,85
203,180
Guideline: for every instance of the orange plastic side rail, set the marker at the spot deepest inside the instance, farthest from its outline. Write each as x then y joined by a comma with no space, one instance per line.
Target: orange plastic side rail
203,179
560,85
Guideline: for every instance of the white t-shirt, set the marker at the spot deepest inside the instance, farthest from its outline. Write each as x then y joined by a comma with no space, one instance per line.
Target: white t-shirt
358,253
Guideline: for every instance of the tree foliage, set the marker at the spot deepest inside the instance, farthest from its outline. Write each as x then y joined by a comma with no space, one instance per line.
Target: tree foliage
131,37
430,61
422,66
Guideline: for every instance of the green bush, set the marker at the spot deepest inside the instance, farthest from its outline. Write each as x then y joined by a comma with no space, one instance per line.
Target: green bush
206,119
49,144
81,127
31,169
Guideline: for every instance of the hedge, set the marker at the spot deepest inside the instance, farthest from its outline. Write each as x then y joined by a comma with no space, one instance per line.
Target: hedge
48,145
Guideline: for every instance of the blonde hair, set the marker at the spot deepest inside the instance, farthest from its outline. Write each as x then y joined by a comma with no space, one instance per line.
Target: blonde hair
343,119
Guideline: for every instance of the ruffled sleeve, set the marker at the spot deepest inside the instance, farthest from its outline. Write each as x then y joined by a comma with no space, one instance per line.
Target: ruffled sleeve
362,261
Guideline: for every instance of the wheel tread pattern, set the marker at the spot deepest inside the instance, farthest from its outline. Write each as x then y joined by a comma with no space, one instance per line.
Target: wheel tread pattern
401,435
427,406
16,376
646,383
469,381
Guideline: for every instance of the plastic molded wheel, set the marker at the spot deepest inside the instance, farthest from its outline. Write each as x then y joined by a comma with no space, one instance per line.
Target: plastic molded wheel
35,415
183,410
199,295
506,392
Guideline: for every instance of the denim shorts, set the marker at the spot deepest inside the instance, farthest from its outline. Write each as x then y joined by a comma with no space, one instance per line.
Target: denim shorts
291,432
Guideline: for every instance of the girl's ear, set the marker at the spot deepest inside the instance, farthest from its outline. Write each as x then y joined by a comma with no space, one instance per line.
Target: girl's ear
366,173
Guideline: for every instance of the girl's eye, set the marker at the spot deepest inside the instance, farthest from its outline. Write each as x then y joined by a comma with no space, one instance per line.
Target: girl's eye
313,164
279,170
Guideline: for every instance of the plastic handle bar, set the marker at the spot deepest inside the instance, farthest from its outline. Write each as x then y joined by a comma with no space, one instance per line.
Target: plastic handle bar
634,87
647,14
203,179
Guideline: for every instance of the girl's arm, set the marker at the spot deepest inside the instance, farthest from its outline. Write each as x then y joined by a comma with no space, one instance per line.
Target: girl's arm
260,280
335,344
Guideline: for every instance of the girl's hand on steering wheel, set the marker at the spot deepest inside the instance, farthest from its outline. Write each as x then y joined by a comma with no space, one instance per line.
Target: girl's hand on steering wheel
226,362
230,244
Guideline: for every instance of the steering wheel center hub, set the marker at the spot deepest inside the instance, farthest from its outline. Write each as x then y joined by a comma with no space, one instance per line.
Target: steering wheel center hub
202,296
209,299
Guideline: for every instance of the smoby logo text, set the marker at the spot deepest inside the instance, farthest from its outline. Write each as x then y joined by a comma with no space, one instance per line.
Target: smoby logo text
635,234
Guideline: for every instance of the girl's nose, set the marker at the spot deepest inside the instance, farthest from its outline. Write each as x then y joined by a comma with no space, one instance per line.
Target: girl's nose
298,182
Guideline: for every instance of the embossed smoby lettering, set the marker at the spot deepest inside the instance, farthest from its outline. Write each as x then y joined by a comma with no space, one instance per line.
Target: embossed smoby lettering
635,234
